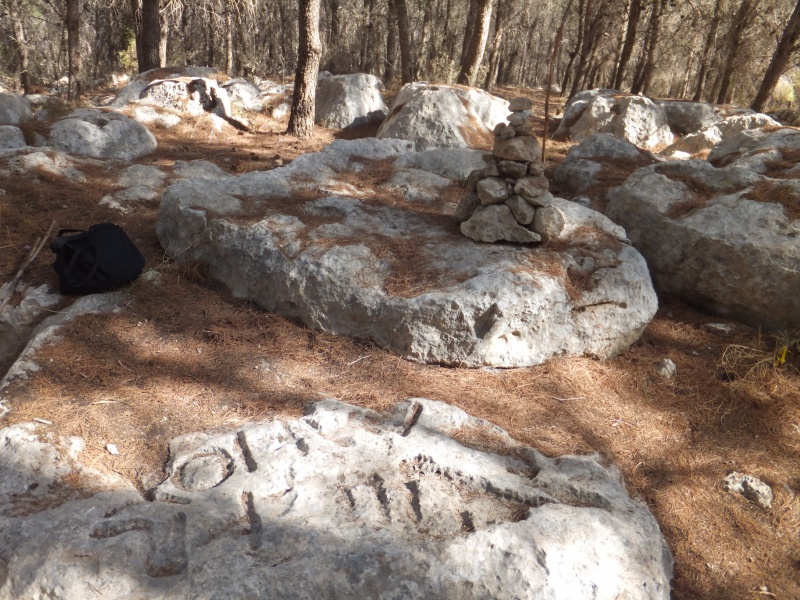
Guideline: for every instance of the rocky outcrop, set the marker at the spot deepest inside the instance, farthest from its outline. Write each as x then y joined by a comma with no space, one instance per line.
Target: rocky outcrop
633,118
244,94
344,101
709,137
688,117
440,116
326,241
343,502
722,238
101,134
133,90
14,109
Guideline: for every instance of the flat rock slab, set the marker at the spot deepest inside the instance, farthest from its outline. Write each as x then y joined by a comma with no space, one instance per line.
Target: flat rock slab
342,503
325,242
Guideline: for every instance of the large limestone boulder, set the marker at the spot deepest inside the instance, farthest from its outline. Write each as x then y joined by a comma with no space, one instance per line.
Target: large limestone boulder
101,134
633,118
307,242
244,93
133,90
724,238
712,135
14,109
435,116
341,503
349,101
600,158
688,117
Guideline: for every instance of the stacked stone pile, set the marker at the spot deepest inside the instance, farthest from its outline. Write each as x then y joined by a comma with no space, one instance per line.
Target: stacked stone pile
509,199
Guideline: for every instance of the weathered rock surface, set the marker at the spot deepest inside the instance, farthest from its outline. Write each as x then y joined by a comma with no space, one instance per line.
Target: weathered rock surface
752,488
101,134
633,118
719,238
14,109
133,90
332,262
709,137
688,117
443,116
349,101
29,160
244,93
11,137
341,503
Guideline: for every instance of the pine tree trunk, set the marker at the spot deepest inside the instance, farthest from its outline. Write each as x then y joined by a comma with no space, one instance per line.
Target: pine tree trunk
391,43
780,60
228,39
497,42
149,36
704,60
73,49
630,40
309,51
403,28
650,63
163,40
480,35
20,45
467,40
740,22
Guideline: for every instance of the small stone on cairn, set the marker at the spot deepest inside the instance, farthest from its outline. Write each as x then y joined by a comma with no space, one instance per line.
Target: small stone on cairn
505,196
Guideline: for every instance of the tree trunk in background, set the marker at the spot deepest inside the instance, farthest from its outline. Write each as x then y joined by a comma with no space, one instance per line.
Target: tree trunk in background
309,51
780,60
20,44
163,39
228,38
630,40
740,22
210,41
366,54
497,42
73,49
477,46
643,85
403,28
711,39
148,37
391,42
467,39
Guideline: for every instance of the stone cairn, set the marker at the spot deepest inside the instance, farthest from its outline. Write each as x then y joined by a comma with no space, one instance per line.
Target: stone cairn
509,198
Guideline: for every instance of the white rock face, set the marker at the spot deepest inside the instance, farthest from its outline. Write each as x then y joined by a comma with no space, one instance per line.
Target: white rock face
14,109
329,262
709,137
349,101
102,134
633,118
733,255
133,90
342,503
28,160
11,137
244,93
443,116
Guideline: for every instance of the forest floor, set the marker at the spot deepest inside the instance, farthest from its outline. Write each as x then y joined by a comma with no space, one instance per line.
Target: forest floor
189,357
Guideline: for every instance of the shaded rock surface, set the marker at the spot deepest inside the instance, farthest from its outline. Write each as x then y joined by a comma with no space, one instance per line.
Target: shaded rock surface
11,137
726,239
436,116
14,109
688,117
349,101
343,502
400,274
101,134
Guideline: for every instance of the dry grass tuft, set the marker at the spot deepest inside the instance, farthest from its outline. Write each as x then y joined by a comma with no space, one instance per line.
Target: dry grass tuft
700,196
779,192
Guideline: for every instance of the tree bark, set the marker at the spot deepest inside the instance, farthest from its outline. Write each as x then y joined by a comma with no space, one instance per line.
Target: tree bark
780,60
148,36
740,22
228,38
630,40
702,71
642,85
497,43
477,46
20,44
309,51
163,39
467,39
73,49
403,28
391,42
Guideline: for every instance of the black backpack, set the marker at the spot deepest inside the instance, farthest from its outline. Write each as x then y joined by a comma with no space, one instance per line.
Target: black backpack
96,260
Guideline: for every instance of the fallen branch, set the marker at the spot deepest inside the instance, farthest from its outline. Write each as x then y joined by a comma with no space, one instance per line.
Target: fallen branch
37,247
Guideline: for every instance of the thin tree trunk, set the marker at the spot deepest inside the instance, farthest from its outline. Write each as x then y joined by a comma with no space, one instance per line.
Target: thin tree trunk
630,40
472,62
553,55
740,22
467,40
228,38
403,28
650,63
73,49
391,42
497,42
780,60
20,45
309,51
163,39
210,39
710,41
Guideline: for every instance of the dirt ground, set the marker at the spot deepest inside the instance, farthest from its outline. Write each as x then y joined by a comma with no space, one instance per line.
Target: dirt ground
185,356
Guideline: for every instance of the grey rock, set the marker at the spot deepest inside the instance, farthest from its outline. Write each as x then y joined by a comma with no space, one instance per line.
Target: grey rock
102,135
750,487
28,160
288,264
688,117
342,502
531,187
152,115
492,190
562,219
507,132
244,93
146,175
11,137
523,149
666,369
199,169
511,168
711,136
520,104
466,206
491,170
604,145
496,223
548,223
14,109
452,163
344,101
522,211
130,92
575,109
